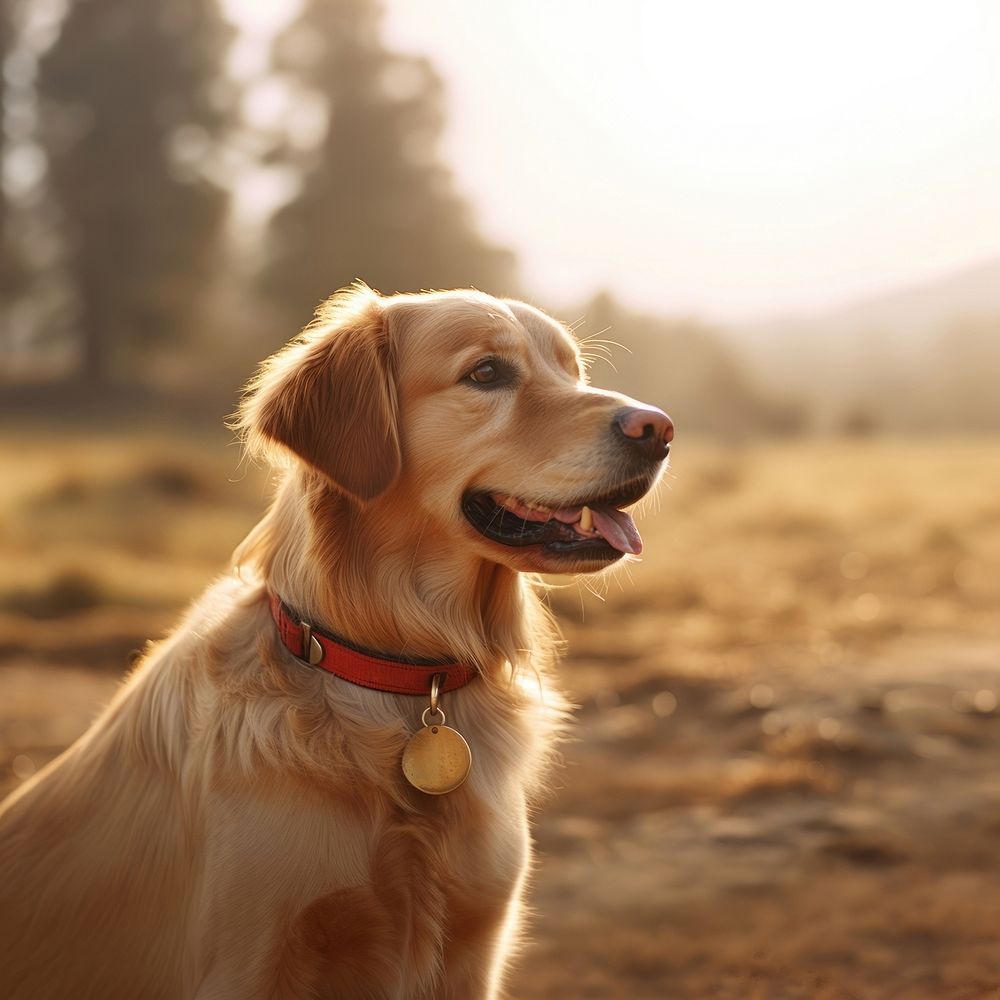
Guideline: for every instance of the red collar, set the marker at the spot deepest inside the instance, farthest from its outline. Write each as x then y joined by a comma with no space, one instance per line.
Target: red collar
328,652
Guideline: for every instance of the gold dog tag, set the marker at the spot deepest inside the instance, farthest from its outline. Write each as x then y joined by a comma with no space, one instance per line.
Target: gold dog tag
437,759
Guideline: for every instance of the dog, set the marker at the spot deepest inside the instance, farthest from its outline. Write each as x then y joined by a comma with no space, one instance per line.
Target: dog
319,785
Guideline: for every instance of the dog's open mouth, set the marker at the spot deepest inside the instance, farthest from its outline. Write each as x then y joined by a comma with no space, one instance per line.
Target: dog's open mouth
598,527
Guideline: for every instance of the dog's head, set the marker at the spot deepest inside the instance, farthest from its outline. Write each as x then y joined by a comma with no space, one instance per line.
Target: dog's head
464,422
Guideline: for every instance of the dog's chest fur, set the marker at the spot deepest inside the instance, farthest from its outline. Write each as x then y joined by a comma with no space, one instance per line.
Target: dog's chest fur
426,915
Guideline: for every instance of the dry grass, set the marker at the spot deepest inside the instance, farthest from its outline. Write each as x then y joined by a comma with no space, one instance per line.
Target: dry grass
782,781
808,555
103,540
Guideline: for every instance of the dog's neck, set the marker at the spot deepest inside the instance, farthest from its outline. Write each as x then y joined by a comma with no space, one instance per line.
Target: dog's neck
392,591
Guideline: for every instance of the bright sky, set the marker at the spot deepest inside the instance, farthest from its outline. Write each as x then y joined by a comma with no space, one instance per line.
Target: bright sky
721,157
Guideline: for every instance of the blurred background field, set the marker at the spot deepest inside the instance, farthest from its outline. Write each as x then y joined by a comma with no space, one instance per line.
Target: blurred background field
782,778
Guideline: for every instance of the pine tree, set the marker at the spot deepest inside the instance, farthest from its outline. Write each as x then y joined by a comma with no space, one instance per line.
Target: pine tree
375,203
132,107
9,269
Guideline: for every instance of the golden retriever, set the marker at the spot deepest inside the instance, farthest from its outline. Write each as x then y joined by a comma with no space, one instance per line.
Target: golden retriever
237,824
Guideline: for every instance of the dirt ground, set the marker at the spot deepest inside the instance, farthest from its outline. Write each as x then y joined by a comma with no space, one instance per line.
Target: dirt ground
784,776
782,837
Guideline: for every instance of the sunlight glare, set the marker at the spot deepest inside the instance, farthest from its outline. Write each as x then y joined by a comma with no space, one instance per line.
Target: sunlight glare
721,157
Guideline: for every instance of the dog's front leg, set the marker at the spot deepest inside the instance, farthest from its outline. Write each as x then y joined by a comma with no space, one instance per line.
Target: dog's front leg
287,910
481,938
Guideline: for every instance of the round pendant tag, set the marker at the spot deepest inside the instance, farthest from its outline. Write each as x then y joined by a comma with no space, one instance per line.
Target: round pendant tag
437,760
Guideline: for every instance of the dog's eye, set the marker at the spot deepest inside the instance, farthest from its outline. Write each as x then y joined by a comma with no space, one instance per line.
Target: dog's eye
485,372
492,373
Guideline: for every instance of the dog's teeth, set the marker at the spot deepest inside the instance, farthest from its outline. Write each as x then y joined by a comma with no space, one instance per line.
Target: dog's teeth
586,520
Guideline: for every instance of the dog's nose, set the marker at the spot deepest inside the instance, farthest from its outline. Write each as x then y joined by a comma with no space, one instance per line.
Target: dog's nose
647,429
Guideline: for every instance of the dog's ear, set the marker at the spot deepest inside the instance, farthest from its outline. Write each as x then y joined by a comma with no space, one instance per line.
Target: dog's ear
330,397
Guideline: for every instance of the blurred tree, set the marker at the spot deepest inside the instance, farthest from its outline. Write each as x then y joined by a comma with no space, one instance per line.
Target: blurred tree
858,421
685,367
10,270
959,389
132,106
374,201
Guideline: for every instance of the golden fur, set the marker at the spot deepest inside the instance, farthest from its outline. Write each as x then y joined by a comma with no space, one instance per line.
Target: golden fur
235,825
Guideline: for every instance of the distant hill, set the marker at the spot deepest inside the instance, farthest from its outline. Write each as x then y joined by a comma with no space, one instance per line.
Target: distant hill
923,357
919,310
911,314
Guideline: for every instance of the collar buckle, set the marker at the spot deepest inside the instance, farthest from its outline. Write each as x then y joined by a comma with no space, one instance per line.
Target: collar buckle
312,651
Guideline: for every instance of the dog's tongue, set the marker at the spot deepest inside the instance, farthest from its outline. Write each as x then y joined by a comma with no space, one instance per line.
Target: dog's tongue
613,525
618,529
